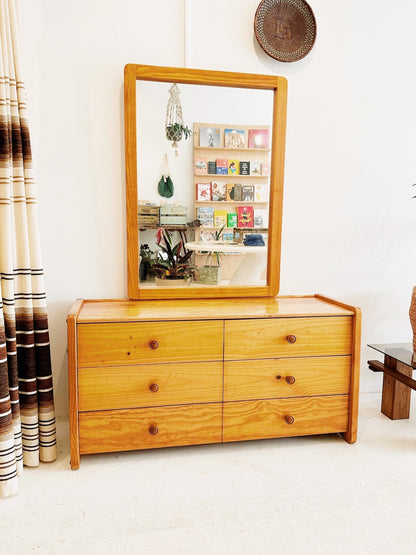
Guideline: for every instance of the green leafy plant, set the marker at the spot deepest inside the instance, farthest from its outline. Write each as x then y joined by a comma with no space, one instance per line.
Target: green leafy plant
173,261
175,132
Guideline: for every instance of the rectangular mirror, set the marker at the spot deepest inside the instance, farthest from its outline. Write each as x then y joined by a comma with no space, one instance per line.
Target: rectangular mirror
216,223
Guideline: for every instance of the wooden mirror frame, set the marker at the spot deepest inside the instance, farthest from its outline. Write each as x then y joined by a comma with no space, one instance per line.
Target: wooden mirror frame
277,84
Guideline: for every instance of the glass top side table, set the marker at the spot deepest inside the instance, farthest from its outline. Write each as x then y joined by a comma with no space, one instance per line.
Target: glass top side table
399,362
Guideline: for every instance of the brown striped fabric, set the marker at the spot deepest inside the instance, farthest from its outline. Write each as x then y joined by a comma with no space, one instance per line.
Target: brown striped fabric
27,419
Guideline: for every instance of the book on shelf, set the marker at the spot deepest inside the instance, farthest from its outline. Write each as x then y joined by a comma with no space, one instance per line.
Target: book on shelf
209,137
265,168
261,192
218,191
205,214
200,166
222,166
237,193
261,217
233,167
244,168
234,138
245,216
203,191
231,219
220,218
255,168
247,193
212,167
227,236
207,236
258,138
230,192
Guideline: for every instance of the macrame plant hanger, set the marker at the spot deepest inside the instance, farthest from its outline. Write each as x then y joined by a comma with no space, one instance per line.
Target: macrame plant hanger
174,117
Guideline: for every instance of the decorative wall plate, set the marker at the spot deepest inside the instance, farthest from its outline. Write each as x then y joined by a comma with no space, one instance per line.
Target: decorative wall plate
285,29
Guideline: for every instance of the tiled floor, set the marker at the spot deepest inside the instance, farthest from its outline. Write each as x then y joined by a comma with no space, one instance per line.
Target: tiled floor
289,496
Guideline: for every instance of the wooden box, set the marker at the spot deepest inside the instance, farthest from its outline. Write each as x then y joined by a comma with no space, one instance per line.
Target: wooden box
172,214
148,216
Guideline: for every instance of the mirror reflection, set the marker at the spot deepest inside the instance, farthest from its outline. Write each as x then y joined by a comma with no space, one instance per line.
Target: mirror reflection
203,174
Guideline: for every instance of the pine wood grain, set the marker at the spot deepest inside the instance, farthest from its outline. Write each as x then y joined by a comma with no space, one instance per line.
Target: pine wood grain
129,343
255,339
73,383
277,84
264,379
266,419
119,387
123,430
123,310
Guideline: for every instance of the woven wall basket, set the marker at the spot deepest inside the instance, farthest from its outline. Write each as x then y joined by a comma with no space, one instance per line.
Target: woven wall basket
285,29
412,314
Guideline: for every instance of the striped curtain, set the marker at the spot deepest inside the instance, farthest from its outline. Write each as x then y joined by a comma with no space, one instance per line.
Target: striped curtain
27,420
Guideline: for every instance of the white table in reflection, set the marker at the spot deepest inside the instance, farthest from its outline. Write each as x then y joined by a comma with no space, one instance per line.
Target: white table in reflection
251,267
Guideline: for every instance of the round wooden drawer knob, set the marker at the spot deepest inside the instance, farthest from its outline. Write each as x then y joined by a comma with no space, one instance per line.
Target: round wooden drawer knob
289,419
154,344
291,338
153,430
154,387
290,380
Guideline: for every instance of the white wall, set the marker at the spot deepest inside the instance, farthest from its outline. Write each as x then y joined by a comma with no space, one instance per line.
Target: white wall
349,228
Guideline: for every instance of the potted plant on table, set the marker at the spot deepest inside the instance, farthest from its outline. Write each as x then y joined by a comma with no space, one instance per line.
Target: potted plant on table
210,272
173,261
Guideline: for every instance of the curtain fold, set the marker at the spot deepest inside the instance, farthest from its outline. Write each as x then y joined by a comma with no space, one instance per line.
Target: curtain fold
27,417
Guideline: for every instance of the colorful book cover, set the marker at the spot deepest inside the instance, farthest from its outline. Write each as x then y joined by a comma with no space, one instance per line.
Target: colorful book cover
218,191
228,236
261,218
233,167
203,191
258,138
209,137
245,216
244,168
265,168
212,167
261,192
222,166
234,138
247,193
201,166
255,168
231,219
205,214
220,218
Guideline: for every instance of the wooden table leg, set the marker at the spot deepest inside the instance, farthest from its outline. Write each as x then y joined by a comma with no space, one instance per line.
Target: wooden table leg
395,401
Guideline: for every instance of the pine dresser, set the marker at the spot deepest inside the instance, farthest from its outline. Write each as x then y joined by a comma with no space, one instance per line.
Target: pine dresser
159,373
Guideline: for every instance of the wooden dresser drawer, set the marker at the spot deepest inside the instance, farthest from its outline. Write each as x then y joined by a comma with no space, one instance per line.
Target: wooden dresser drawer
143,342
114,387
122,430
287,337
286,377
271,418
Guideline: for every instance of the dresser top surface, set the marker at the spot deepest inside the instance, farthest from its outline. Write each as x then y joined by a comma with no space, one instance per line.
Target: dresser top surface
87,311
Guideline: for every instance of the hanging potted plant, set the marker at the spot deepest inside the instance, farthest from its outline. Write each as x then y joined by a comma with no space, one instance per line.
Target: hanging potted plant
175,127
173,263
176,131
